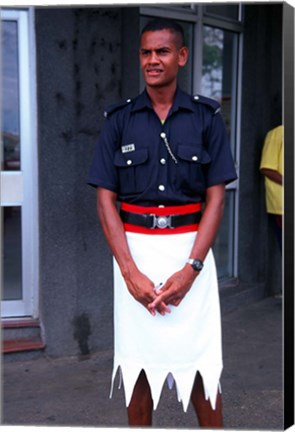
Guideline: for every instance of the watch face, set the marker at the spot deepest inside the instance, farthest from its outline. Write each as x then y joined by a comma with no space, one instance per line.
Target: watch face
197,265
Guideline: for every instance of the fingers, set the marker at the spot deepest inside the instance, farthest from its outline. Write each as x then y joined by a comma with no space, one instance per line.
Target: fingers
162,309
159,305
157,298
170,293
176,302
148,298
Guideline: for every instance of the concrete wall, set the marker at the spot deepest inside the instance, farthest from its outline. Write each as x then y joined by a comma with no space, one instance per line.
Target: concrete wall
259,255
79,72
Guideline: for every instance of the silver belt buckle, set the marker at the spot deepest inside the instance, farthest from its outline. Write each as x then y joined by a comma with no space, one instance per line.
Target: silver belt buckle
161,222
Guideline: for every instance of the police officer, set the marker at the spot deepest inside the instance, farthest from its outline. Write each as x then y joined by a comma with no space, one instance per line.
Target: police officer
165,158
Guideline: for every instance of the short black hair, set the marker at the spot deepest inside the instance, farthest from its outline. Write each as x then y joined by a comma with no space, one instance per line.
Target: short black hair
165,24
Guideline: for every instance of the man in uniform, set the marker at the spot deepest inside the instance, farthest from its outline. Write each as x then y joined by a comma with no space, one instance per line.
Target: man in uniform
164,156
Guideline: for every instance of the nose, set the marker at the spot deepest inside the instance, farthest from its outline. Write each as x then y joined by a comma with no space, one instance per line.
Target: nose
153,58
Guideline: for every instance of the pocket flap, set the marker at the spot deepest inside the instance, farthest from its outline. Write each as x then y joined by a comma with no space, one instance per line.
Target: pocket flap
129,159
191,153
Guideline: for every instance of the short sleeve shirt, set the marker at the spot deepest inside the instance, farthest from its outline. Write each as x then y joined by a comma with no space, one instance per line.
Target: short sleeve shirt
272,158
147,162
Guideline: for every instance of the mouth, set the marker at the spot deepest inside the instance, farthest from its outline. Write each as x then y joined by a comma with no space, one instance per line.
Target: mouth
153,72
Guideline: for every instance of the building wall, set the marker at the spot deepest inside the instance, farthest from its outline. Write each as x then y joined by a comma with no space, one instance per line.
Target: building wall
79,72
261,110
85,61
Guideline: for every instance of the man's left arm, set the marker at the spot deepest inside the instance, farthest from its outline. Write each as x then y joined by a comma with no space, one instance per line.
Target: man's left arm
177,286
273,175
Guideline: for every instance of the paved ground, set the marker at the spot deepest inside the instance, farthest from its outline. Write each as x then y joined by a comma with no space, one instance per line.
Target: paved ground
71,392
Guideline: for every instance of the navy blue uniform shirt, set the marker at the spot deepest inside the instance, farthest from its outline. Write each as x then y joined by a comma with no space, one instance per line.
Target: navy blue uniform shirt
149,163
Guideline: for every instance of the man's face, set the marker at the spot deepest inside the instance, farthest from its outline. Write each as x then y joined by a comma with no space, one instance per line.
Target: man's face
160,57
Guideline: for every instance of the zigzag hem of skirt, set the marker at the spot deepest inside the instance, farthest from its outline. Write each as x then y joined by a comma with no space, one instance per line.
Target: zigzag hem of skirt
182,377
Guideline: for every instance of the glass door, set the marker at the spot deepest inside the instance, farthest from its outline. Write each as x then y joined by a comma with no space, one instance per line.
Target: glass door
19,267
220,82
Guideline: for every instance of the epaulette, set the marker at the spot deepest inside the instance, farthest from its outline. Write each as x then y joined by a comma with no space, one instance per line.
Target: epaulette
115,107
212,103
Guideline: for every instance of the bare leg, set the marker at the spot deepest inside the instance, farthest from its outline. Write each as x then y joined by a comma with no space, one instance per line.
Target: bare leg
206,415
141,404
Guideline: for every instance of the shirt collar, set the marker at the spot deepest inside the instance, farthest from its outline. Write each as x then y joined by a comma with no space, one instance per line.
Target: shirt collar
141,102
181,101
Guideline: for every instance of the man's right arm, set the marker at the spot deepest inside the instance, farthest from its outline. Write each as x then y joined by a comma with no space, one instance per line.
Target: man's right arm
113,230
139,285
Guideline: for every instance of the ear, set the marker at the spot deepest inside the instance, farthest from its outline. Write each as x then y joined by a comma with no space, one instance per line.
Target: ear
182,56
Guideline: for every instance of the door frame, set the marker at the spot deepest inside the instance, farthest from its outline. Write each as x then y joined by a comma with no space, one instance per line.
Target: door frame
27,178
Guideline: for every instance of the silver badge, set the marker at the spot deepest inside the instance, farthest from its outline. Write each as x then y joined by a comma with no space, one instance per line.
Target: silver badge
128,148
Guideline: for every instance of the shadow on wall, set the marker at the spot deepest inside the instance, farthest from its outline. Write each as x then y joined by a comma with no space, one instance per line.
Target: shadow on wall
82,331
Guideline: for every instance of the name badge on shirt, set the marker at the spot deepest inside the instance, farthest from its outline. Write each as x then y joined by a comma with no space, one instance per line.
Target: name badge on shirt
128,148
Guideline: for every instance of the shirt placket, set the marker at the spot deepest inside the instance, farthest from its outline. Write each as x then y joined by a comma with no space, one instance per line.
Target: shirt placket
166,160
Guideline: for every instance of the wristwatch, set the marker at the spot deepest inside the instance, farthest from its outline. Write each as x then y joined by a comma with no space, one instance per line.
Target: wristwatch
196,264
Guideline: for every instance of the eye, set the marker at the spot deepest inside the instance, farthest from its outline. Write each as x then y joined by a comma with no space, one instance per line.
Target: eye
162,51
144,53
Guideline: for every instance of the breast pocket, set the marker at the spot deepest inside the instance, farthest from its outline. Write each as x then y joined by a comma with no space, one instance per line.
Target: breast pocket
193,162
132,170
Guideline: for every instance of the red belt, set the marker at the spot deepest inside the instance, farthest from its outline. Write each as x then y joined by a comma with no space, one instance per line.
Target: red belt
161,220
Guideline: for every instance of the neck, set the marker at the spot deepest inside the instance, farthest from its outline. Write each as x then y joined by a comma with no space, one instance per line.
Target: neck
162,96
162,101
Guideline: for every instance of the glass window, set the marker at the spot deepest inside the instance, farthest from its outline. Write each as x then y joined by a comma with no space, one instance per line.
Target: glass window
219,78
212,68
219,73
12,254
12,247
223,10
10,96
185,75
224,244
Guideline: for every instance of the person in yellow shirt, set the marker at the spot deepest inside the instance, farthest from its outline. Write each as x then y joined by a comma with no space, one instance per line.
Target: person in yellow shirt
271,166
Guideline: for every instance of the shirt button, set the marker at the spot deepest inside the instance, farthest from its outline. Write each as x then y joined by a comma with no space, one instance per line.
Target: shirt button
161,188
129,162
163,161
195,158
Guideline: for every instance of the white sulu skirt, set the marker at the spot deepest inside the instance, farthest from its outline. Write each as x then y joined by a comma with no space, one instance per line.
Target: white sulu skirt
177,345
